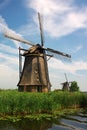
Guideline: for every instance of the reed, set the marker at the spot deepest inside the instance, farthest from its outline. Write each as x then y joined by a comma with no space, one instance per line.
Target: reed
14,103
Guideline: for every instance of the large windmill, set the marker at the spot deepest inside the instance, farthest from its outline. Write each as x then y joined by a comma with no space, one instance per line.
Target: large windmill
34,76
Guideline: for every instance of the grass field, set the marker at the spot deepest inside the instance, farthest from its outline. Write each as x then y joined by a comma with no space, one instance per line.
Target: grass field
16,103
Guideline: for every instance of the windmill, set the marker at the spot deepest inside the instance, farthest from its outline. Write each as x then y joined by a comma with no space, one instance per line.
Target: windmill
66,85
34,76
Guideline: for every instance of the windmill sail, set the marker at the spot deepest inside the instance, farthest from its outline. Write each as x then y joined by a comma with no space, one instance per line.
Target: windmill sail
58,55
41,29
19,39
58,52
66,77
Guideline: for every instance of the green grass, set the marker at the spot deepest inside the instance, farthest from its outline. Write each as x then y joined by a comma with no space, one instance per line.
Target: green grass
24,103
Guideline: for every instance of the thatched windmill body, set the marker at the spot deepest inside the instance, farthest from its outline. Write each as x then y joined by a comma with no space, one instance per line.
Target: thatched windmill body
34,76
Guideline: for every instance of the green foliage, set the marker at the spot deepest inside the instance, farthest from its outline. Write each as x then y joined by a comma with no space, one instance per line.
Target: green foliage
74,87
23,103
83,101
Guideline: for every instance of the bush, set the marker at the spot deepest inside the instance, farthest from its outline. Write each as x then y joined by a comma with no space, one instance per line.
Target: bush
74,87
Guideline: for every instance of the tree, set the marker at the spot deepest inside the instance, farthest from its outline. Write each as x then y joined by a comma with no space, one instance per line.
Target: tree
74,87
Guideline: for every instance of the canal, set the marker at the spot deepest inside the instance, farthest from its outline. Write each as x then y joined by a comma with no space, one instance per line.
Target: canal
76,122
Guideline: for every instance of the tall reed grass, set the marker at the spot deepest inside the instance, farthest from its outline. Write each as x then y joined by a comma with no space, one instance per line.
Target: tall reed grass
13,102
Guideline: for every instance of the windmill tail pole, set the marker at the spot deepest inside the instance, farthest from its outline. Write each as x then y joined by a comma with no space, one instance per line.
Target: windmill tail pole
20,62
19,39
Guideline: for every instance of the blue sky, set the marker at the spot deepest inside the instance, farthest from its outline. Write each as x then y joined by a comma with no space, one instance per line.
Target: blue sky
65,29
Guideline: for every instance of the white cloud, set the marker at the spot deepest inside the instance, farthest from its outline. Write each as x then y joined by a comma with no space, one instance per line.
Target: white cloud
60,17
8,71
3,24
49,7
9,32
8,49
72,67
9,60
57,69
8,77
77,48
31,30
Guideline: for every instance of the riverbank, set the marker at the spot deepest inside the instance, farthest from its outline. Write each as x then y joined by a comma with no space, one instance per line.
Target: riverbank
43,116
17,105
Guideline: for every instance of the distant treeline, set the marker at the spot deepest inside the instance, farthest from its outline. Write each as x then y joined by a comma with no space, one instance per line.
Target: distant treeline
16,103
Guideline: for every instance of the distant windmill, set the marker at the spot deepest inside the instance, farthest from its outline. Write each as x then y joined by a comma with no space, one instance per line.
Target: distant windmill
34,76
66,85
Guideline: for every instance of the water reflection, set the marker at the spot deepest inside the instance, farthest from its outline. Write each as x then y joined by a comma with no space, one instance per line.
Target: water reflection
74,124
68,123
25,124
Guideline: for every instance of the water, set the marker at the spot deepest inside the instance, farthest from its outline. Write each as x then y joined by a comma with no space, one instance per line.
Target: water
78,122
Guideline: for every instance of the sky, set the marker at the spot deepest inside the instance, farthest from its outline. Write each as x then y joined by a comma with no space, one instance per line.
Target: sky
65,29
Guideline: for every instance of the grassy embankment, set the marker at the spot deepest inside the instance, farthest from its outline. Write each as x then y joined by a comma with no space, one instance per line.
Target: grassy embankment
14,103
